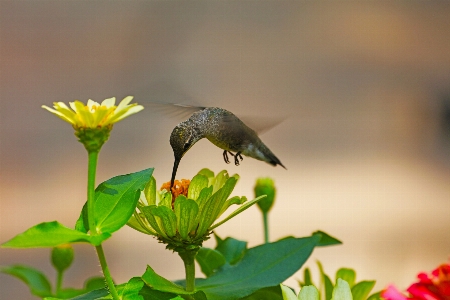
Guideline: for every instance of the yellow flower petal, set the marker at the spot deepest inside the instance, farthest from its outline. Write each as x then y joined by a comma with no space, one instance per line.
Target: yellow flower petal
109,102
93,114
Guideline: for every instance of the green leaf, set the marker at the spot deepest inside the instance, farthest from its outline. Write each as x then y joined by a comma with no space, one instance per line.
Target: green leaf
326,239
268,293
342,291
94,283
168,219
262,266
150,191
116,199
307,277
288,293
361,290
237,211
309,292
82,223
346,274
233,250
34,279
132,289
186,211
159,283
52,234
376,296
209,260
198,183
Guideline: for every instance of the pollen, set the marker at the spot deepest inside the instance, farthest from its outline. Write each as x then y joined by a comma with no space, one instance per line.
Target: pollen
179,188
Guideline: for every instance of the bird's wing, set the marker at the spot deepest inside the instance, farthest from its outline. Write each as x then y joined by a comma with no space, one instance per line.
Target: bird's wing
177,111
259,124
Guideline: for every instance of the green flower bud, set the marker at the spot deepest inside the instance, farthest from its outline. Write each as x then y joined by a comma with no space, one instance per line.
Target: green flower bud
62,257
265,186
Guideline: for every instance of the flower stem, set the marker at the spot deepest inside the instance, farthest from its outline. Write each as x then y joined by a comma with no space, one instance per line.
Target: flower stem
59,280
188,258
108,278
92,168
266,227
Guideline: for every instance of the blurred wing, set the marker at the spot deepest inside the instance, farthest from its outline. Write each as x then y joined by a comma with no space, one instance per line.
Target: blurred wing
260,124
177,111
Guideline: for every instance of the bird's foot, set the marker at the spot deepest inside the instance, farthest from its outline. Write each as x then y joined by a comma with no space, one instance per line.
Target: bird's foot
237,156
225,156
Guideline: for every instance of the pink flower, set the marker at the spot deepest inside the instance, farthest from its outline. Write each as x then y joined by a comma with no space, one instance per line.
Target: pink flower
434,286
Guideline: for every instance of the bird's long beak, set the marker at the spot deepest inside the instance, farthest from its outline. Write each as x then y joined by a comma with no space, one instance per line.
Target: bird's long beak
174,172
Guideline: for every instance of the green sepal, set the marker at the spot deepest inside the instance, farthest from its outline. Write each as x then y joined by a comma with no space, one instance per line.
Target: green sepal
150,191
167,217
348,275
155,223
220,180
198,183
361,290
62,257
165,199
325,280
210,211
209,260
186,211
238,211
52,234
231,201
209,174
37,281
136,225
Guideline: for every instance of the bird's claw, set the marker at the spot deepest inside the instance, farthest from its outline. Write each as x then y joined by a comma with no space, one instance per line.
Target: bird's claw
225,156
237,157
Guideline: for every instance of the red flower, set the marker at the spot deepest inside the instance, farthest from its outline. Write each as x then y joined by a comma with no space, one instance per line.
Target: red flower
434,286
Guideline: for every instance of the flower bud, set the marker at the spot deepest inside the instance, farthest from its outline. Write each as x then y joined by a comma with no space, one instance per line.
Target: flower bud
62,257
265,186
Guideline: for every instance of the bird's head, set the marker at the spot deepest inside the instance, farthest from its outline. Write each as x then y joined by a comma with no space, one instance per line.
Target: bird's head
183,137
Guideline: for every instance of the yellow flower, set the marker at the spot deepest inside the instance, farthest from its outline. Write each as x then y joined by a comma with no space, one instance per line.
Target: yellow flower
93,114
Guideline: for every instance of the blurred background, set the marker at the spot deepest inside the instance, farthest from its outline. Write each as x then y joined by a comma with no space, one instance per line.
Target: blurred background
363,89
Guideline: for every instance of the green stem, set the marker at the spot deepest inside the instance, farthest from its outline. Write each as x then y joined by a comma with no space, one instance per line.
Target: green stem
92,168
59,280
188,258
106,273
266,227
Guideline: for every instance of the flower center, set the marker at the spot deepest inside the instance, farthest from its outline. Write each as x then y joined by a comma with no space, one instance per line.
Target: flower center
179,188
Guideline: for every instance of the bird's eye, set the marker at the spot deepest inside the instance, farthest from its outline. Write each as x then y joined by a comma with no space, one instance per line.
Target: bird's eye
187,145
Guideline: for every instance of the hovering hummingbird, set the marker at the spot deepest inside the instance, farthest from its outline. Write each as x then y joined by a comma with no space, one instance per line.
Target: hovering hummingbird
223,129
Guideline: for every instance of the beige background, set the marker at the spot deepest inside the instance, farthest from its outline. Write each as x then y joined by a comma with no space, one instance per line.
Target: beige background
360,87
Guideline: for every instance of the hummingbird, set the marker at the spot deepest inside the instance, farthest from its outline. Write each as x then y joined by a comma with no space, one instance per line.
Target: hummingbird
223,129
